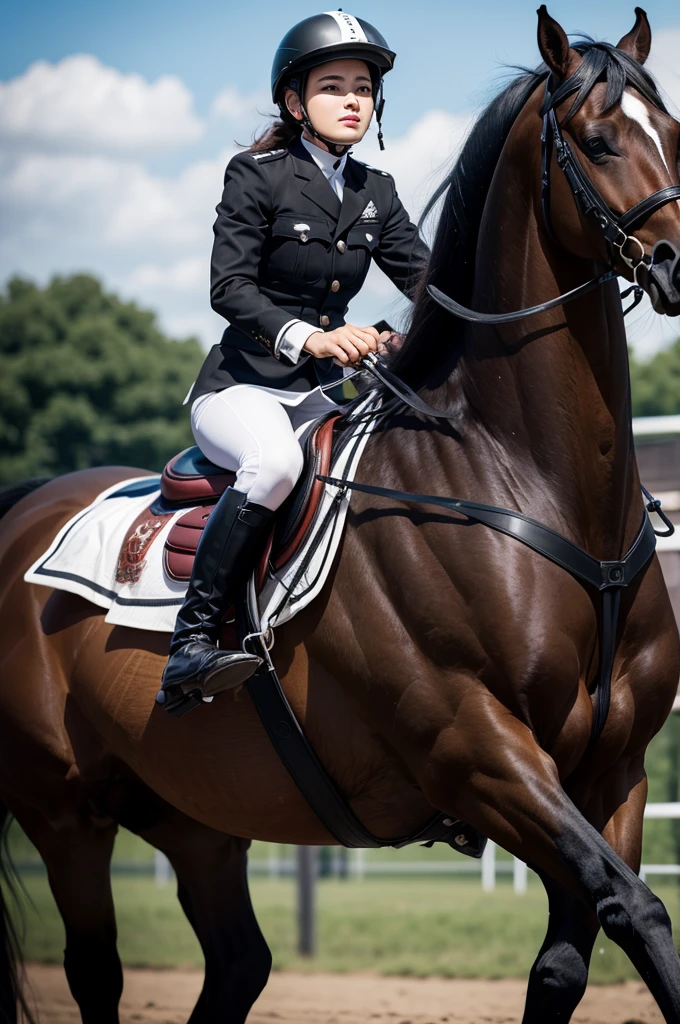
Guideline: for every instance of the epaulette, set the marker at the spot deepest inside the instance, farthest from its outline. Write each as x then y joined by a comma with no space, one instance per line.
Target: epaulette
268,154
376,170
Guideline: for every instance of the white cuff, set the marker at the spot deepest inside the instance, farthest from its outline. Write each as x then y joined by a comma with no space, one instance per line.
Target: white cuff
292,337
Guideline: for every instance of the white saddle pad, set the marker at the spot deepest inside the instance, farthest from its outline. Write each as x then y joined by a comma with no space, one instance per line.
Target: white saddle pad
83,558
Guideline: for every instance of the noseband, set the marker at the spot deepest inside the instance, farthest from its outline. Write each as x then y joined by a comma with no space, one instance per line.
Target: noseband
591,205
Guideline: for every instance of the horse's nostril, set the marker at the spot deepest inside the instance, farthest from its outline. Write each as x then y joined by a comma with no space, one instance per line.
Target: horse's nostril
664,251
664,277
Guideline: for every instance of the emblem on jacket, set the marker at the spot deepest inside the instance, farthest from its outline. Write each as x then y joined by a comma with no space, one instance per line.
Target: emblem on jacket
371,211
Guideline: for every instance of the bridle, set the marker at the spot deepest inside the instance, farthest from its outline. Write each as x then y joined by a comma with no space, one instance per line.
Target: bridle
614,227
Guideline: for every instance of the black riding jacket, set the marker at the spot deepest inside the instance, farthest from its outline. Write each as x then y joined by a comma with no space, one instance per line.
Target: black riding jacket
287,248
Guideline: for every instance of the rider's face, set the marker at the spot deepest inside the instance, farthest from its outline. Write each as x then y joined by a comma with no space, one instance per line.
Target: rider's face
339,100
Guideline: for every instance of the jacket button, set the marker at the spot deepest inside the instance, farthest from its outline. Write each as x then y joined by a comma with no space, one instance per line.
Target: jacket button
341,246
324,320
335,287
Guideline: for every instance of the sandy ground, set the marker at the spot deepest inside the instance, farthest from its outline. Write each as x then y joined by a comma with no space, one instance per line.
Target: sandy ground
167,997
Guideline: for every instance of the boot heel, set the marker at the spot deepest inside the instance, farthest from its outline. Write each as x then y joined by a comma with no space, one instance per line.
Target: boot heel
178,703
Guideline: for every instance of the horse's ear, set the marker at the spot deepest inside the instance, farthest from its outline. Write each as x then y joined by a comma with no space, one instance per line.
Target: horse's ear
554,46
638,41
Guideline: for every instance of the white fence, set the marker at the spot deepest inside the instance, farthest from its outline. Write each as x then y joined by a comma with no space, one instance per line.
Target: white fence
487,869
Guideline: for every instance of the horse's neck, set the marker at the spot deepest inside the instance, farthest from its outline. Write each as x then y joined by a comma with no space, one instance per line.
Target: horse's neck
546,399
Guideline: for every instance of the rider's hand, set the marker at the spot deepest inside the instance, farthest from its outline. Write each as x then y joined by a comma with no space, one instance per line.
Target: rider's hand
347,344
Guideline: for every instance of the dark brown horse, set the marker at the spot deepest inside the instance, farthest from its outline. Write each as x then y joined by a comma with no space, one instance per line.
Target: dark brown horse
446,666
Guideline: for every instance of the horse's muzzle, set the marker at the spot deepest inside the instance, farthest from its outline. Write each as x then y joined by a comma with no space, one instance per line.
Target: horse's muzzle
663,278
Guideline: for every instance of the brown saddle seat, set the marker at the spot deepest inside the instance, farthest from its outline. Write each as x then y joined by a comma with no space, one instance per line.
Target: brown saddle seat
191,479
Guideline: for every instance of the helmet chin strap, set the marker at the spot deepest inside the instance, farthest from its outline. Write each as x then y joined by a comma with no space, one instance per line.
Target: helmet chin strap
333,147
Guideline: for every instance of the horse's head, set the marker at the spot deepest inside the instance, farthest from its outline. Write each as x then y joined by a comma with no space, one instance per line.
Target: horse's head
621,139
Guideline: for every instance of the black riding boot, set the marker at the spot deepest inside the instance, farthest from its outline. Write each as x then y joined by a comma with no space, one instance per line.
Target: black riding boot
232,540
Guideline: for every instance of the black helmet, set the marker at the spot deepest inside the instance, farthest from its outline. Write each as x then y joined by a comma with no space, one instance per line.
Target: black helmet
321,38
324,37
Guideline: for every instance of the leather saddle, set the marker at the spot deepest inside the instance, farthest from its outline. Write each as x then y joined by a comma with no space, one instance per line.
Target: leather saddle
191,479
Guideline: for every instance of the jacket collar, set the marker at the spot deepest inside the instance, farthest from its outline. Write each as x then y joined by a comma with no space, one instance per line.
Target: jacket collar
316,185
318,189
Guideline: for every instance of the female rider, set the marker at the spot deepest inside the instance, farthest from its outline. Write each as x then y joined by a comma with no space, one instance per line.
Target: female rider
298,224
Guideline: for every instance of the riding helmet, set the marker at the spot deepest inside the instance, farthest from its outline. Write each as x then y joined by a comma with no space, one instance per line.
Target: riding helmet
325,37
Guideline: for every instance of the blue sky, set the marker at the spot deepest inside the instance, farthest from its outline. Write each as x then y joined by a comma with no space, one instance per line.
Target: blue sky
101,182
448,50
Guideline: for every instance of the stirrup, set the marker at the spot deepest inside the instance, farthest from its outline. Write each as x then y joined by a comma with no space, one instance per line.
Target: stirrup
181,697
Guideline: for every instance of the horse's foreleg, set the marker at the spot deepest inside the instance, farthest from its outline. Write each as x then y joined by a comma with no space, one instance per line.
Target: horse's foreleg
78,862
213,890
559,975
509,789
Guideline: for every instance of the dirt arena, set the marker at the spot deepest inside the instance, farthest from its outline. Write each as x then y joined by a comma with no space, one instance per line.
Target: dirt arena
167,997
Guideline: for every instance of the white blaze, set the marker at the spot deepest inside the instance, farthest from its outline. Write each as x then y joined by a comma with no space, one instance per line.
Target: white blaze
634,108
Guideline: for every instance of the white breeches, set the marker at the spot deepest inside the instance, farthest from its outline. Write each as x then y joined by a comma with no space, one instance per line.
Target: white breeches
250,431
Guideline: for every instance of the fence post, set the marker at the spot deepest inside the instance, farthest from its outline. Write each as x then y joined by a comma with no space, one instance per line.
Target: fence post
306,885
273,862
162,869
489,867
519,876
359,864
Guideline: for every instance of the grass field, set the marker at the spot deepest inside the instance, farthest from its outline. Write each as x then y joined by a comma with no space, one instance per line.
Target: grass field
413,927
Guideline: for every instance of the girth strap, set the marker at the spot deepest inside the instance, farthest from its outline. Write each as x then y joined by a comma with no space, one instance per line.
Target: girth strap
606,576
318,788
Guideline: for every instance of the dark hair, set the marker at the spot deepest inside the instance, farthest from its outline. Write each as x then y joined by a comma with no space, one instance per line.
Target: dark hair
277,135
283,129
433,341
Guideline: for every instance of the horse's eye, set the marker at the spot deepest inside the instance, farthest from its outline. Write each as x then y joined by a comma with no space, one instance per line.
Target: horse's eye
596,147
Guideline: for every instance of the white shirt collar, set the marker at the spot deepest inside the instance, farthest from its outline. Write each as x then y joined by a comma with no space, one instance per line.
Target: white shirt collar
325,161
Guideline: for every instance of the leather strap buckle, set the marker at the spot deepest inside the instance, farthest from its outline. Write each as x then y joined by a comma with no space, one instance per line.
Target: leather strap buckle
613,574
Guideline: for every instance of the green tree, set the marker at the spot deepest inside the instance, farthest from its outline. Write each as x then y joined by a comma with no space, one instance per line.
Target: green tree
655,384
87,380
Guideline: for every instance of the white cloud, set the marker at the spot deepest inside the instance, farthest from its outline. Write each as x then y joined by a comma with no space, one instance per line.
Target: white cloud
663,64
229,103
172,213
189,276
116,204
80,106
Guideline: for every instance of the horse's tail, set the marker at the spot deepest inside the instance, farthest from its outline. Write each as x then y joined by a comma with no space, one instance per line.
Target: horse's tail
13,1002
9,496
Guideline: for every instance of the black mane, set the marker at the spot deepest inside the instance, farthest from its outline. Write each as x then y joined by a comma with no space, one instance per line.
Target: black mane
431,346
